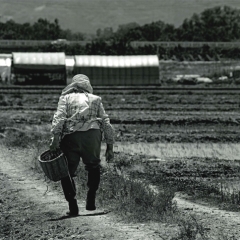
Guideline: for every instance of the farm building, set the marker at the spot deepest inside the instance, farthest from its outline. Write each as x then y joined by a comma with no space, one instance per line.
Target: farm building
38,68
5,63
119,70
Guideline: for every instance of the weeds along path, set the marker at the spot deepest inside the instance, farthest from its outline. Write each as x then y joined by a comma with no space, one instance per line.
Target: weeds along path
29,212
216,221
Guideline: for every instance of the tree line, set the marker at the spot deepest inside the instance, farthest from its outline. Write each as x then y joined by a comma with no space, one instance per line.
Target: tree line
216,24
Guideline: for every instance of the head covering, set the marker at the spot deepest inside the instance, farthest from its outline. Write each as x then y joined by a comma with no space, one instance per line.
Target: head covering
80,82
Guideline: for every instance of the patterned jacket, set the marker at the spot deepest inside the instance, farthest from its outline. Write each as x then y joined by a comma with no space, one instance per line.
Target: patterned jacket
81,111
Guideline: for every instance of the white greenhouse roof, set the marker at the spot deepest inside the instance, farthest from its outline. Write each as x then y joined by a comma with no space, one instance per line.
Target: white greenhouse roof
116,61
30,58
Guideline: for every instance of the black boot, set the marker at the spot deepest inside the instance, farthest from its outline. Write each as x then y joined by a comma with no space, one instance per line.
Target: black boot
93,183
73,208
90,204
69,190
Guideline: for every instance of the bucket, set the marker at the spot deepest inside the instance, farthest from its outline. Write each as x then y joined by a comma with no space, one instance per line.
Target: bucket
54,165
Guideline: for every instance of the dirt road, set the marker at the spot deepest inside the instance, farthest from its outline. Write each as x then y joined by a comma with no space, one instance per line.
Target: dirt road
29,212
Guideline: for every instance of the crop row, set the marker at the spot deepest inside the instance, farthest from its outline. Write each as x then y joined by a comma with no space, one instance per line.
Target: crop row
131,101
227,109
133,90
144,117
149,95
175,117
186,167
161,129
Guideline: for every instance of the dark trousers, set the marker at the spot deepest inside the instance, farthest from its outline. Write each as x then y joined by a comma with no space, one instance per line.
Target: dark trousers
85,145
69,187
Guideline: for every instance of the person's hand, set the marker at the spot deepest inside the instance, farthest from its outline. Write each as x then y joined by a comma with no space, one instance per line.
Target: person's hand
54,145
109,155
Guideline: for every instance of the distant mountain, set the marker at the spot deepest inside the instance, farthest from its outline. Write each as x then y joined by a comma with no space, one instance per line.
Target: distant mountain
87,16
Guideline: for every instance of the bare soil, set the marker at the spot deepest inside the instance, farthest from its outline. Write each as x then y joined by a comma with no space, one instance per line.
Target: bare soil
173,115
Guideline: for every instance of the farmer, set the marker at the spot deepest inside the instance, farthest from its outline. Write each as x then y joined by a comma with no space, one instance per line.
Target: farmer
77,128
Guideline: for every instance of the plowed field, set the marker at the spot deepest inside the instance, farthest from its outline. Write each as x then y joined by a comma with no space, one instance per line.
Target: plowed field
165,115
186,138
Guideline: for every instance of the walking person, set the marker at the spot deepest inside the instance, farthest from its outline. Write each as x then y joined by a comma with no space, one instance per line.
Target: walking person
77,129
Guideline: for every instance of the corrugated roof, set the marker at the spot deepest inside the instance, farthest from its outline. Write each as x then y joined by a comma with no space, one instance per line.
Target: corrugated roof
20,58
116,61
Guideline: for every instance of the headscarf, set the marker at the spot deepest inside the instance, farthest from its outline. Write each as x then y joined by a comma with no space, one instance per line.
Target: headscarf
80,83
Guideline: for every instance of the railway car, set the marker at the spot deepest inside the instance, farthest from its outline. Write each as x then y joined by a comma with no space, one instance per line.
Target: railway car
38,68
119,70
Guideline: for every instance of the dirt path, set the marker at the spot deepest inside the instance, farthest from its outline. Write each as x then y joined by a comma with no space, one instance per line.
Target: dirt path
29,211
216,221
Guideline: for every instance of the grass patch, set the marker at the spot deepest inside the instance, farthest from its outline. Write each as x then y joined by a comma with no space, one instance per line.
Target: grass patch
22,136
209,179
135,198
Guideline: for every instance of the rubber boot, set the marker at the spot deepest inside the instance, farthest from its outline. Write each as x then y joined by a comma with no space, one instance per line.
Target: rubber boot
69,190
93,184
73,208
90,203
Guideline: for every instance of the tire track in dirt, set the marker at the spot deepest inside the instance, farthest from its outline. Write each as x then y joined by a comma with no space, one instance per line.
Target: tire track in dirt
35,209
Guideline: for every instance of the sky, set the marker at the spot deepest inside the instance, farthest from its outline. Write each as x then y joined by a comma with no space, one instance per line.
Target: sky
89,15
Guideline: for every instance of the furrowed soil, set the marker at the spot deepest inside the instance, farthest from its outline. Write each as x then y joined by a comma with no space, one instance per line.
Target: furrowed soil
164,115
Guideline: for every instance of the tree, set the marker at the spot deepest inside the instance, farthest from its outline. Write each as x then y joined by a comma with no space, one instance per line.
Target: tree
124,29
152,32
222,23
105,34
213,24
45,30
10,30
25,31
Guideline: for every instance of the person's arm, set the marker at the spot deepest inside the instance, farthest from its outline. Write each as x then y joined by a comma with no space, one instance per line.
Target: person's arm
55,140
57,123
109,154
108,131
